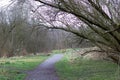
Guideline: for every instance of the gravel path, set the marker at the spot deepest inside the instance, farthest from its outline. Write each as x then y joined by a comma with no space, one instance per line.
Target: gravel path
46,70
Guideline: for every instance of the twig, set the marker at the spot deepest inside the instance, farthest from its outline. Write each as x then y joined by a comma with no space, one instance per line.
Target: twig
112,30
85,53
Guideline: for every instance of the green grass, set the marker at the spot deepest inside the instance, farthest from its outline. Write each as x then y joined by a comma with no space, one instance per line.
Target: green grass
14,68
81,69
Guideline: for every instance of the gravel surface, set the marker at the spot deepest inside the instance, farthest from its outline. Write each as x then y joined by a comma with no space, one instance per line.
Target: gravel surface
46,70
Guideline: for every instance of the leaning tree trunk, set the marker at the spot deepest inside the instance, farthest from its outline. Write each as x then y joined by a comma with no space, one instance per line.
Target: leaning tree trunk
103,23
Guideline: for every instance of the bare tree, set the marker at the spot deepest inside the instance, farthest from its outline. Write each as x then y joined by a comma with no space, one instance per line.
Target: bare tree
22,32
95,20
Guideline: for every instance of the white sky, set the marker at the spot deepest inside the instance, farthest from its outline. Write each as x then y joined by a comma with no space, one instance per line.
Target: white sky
4,3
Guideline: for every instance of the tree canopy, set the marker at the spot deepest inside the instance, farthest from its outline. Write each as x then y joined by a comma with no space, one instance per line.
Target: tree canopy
95,20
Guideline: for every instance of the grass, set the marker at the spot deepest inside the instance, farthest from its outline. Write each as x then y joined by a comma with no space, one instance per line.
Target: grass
71,67
81,69
14,68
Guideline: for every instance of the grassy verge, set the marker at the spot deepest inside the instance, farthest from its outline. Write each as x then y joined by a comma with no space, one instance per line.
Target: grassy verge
81,69
14,68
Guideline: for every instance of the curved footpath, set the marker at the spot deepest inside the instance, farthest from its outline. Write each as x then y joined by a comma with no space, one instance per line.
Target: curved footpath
46,70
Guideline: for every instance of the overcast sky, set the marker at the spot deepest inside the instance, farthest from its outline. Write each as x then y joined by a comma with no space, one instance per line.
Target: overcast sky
4,3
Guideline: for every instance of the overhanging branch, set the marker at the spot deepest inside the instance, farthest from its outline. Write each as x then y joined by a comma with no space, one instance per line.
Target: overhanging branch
112,30
71,12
